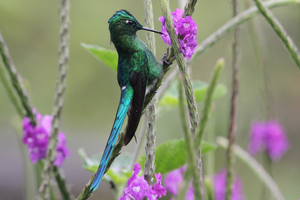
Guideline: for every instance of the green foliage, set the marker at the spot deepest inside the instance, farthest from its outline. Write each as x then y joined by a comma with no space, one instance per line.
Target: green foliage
172,154
118,172
171,99
169,156
107,56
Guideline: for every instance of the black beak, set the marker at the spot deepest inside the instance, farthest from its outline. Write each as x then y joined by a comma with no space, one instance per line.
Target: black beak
152,30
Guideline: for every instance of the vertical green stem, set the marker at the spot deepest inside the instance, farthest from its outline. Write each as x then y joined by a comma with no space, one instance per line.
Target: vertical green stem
233,106
205,115
63,57
208,101
192,160
139,143
210,157
189,92
151,115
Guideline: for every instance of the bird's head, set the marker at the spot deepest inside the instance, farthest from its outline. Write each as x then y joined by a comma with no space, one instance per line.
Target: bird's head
124,23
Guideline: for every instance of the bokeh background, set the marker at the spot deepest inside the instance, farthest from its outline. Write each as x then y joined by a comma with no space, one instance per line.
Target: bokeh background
30,29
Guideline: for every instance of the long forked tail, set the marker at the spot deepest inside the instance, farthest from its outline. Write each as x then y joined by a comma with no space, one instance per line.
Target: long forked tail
126,97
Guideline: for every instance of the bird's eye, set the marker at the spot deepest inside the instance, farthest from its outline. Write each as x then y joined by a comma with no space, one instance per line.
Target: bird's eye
129,22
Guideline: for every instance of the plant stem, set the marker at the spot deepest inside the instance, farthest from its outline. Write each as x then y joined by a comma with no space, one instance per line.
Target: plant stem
190,8
279,30
63,57
254,166
16,81
208,101
189,92
233,106
151,115
139,144
205,114
11,94
192,160
234,22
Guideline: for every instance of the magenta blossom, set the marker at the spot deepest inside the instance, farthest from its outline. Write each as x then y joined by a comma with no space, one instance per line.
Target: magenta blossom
185,27
173,179
137,187
37,138
220,187
269,135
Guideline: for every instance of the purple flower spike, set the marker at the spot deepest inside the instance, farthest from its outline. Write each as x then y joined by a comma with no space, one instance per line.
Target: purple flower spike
220,187
37,139
62,152
185,27
176,15
276,140
137,187
269,135
173,180
158,189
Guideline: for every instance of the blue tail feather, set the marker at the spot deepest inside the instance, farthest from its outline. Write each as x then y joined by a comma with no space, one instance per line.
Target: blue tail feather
125,100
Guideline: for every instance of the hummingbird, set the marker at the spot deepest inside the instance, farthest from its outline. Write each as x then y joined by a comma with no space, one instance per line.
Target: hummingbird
137,70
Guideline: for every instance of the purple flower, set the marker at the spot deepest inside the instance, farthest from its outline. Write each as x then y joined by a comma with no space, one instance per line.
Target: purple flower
269,135
37,138
158,189
173,180
220,187
185,27
276,140
190,193
62,151
137,187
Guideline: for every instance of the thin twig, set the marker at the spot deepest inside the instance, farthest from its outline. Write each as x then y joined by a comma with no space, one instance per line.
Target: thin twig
261,173
279,30
11,94
63,57
232,24
233,106
16,80
190,8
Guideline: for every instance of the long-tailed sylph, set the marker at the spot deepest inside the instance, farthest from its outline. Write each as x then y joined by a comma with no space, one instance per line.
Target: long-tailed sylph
137,69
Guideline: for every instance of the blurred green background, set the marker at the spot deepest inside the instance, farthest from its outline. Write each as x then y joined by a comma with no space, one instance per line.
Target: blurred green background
30,29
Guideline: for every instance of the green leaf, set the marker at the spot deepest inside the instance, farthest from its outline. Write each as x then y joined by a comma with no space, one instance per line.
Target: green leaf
107,56
118,172
170,98
172,155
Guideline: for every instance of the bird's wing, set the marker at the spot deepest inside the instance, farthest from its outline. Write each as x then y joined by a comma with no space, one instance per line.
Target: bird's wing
138,81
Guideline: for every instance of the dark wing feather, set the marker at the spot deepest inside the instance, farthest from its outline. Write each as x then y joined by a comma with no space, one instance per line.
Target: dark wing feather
139,89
